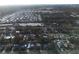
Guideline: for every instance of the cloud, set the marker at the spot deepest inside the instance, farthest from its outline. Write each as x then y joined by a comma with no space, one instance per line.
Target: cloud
33,2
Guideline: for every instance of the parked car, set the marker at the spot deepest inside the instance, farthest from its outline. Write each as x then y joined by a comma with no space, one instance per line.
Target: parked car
18,48
1,48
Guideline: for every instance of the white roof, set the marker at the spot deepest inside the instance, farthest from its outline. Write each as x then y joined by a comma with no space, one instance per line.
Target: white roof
31,24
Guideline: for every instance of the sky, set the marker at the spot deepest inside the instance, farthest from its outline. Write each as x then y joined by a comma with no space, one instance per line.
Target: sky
36,2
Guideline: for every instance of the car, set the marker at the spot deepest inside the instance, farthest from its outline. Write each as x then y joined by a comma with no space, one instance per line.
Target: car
8,36
8,49
18,48
1,48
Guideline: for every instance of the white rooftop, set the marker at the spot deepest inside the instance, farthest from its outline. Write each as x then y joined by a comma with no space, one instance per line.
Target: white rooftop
31,24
